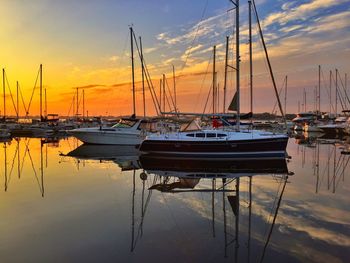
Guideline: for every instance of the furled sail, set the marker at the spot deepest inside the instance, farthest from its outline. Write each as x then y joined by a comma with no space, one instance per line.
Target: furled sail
234,103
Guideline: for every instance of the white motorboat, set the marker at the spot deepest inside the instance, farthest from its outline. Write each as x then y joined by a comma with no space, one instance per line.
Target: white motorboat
128,131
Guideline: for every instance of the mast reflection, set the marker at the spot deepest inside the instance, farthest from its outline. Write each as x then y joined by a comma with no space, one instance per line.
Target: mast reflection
181,175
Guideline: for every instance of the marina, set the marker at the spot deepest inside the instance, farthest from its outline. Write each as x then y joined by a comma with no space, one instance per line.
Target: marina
114,206
201,131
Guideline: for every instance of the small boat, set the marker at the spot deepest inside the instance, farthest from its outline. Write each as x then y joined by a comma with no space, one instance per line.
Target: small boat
128,131
339,127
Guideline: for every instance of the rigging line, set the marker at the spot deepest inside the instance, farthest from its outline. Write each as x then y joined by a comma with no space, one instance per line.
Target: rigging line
156,103
24,105
8,85
171,97
339,177
274,203
327,90
12,166
209,93
279,93
337,92
195,36
25,154
343,86
323,174
35,174
269,63
167,100
71,105
31,97
202,85
274,218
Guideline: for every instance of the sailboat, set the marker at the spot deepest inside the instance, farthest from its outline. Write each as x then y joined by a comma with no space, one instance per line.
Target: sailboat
221,143
129,131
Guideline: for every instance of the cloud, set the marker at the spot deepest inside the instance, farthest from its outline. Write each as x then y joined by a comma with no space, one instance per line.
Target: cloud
89,86
113,58
300,12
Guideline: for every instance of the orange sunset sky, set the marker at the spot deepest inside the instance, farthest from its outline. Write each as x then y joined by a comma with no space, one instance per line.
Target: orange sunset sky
86,44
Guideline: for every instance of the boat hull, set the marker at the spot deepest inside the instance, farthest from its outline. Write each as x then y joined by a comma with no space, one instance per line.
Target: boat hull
107,138
262,148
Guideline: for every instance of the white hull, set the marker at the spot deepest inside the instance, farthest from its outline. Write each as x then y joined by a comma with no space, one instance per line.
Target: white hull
110,138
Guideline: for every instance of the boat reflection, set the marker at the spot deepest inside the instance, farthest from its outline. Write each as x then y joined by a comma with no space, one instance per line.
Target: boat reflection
126,157
221,179
208,168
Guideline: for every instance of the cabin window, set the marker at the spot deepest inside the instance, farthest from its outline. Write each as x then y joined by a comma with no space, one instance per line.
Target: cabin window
190,135
200,135
221,135
211,135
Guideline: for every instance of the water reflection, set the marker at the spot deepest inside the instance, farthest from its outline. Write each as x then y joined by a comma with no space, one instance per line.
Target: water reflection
205,210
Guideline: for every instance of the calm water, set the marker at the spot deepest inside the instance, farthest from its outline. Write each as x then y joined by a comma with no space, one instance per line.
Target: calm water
96,208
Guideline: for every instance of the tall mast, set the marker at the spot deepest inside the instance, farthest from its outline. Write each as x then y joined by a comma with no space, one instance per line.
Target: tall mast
319,88
132,71
17,102
250,57
214,84
237,66
160,93
225,79
4,91
45,111
77,102
336,92
330,91
174,80
83,104
41,92
143,80
285,96
164,82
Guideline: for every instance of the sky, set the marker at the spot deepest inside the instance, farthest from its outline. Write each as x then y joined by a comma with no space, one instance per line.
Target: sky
85,44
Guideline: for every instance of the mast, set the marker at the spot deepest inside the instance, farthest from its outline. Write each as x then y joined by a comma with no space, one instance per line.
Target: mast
4,91
45,111
225,78
174,80
213,185
77,102
143,79
237,66
330,91
285,96
319,88
304,100
132,71
41,92
250,57
160,94
83,104
164,82
214,84
336,92
17,102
